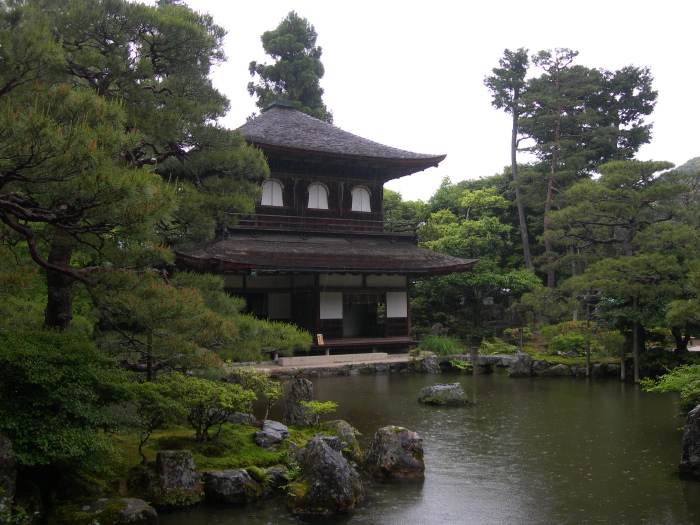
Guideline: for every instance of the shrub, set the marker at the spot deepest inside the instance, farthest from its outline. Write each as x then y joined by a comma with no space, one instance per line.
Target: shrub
316,409
684,380
573,336
496,346
56,389
441,345
207,404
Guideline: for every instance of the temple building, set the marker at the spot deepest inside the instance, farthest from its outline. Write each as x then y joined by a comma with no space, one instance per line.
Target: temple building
317,252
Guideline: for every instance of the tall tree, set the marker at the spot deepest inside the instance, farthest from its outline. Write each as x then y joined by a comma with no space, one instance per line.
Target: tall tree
633,214
507,85
579,118
100,102
296,74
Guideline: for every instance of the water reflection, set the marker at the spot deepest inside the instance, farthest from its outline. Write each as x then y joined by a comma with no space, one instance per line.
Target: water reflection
535,451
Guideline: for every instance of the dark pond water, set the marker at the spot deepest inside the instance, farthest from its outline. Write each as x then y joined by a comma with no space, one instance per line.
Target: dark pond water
531,451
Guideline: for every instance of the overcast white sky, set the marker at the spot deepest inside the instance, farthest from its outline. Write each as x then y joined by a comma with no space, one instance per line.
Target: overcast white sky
410,74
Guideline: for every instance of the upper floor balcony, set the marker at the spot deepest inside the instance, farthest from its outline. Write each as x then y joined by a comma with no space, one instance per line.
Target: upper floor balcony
316,224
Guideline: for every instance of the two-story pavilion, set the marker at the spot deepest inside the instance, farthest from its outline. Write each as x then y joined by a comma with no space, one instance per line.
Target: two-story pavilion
317,252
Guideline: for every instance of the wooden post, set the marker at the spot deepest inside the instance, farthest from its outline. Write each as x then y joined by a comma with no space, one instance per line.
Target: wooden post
474,357
623,372
588,336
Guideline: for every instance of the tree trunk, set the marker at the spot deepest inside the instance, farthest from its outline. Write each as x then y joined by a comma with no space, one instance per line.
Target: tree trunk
635,339
59,303
518,199
623,364
681,341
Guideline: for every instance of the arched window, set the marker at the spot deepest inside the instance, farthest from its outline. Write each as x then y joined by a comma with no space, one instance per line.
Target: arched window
318,196
272,193
360,199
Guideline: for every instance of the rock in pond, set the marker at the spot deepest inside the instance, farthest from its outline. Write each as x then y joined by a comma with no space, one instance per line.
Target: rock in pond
426,365
522,366
350,447
294,412
690,451
105,511
395,453
450,394
231,486
327,484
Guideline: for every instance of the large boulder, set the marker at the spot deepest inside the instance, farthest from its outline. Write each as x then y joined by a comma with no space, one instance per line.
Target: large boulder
327,484
521,366
690,449
349,445
540,366
294,412
231,486
450,394
241,418
177,482
8,471
271,435
105,511
395,453
558,371
427,365
277,477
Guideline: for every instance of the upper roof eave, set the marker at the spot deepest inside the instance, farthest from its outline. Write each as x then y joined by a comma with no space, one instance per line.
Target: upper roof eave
286,129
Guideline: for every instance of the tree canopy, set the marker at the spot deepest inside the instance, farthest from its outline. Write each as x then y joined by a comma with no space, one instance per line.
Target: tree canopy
296,74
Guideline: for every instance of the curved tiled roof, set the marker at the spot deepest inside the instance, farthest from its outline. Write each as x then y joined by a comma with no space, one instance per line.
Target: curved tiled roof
342,254
281,127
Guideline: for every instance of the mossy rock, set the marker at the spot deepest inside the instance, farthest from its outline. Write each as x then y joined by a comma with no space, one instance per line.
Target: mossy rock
124,511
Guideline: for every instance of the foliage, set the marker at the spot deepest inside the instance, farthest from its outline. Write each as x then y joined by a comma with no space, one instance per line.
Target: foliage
578,119
464,366
154,405
297,73
496,346
441,345
315,409
398,210
60,386
233,449
76,189
472,228
515,333
684,379
208,403
574,336
261,383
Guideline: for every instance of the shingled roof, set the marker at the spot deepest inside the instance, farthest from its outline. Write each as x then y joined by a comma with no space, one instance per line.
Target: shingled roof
293,253
282,129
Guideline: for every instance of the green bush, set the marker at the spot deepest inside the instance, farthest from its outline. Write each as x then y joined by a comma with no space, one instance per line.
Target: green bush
567,343
441,345
496,346
56,388
684,380
573,336
207,403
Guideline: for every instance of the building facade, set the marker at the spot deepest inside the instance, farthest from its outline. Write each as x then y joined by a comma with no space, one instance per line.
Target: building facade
317,252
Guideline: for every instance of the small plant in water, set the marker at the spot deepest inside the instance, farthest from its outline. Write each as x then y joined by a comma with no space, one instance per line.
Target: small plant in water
465,366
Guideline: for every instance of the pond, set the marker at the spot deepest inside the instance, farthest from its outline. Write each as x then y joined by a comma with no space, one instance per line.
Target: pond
530,451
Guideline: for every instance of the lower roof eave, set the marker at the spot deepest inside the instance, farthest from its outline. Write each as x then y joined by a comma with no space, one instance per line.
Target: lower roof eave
237,267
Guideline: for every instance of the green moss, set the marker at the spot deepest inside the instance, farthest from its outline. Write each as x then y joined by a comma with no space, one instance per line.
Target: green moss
73,515
178,498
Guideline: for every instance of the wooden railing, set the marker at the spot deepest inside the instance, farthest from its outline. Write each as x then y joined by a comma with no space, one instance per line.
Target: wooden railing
322,224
